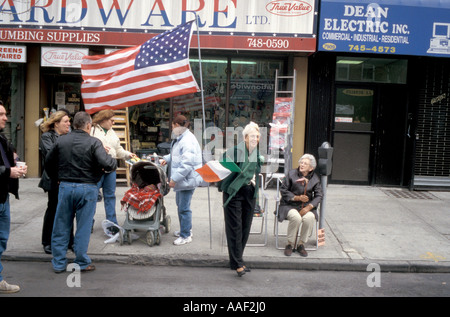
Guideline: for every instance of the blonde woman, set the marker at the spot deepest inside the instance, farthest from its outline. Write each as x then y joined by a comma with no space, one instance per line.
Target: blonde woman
102,124
239,195
58,124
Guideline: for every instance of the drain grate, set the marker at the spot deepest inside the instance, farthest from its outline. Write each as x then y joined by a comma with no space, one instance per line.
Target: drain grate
404,193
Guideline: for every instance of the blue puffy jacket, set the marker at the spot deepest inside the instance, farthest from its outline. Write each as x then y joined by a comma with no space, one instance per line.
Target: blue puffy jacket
184,158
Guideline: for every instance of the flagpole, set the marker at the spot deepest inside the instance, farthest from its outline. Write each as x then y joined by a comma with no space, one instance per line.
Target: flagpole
204,121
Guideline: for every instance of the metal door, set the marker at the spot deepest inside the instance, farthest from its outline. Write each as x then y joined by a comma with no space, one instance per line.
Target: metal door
353,135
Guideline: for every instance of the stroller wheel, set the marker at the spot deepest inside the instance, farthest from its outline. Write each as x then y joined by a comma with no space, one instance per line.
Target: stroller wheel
157,237
128,235
167,223
120,237
149,238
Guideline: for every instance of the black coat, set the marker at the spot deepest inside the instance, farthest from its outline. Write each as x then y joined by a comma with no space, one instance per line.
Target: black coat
290,188
48,140
7,184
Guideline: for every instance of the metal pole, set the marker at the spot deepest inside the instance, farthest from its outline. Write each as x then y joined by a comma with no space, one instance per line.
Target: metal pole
204,121
324,180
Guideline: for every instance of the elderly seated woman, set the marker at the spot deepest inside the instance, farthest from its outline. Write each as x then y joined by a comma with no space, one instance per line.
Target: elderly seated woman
301,193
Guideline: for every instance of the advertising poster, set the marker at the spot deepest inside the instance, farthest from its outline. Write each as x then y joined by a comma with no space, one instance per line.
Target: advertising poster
394,27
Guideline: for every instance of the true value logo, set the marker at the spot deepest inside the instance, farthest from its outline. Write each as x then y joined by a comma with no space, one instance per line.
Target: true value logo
62,57
289,7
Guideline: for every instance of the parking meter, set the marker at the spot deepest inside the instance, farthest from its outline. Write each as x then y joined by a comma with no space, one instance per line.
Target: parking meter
325,155
324,165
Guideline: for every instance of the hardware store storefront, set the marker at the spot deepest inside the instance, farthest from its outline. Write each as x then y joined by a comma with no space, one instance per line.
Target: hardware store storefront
380,92
243,44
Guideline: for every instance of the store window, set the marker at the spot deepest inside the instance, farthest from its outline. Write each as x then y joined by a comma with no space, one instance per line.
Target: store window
371,70
215,88
12,96
68,95
5,94
149,126
250,97
252,91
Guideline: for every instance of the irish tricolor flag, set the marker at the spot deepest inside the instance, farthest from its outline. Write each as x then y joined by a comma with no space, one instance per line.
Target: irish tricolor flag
215,171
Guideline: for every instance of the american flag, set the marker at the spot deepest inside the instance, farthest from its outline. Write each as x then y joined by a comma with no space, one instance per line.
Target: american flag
155,70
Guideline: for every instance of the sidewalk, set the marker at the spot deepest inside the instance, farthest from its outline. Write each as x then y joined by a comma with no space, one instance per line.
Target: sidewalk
362,224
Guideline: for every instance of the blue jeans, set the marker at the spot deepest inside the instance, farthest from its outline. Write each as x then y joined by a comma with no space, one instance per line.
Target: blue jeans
5,221
76,200
183,199
108,183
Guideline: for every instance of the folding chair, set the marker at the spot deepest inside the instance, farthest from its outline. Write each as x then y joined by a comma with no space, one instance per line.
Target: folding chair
263,204
276,223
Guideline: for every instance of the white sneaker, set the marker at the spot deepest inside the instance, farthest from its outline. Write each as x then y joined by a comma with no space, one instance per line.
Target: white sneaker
177,233
5,288
181,241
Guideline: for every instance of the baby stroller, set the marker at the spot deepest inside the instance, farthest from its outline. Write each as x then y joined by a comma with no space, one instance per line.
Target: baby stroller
144,203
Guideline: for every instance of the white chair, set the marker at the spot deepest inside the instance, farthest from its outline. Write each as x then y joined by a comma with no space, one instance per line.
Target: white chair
263,203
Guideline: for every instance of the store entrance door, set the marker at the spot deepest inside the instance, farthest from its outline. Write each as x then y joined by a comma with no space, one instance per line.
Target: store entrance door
353,135
369,135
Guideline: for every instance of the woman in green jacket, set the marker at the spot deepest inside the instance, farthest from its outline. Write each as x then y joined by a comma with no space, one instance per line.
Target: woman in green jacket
240,190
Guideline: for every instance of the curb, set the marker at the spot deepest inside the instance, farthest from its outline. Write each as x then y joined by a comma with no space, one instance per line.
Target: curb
393,266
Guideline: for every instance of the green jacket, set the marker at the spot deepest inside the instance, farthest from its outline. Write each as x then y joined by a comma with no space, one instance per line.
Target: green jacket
249,169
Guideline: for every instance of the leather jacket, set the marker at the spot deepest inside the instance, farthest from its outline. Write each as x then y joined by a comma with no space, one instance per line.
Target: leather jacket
78,157
7,184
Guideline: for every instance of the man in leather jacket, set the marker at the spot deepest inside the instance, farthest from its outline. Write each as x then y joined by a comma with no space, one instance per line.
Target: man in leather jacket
9,183
77,161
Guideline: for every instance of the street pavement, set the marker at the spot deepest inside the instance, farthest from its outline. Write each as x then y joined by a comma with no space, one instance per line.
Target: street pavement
366,229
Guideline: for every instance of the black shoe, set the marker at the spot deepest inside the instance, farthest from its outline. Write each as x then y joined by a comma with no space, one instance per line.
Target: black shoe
301,250
240,273
48,249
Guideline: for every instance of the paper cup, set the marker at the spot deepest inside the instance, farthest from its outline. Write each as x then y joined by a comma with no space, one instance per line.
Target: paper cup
20,164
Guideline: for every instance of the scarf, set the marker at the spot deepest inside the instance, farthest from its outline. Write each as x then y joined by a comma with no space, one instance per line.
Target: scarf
248,168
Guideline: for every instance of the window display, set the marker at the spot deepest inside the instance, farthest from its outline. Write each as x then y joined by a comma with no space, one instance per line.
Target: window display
12,96
251,85
252,91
